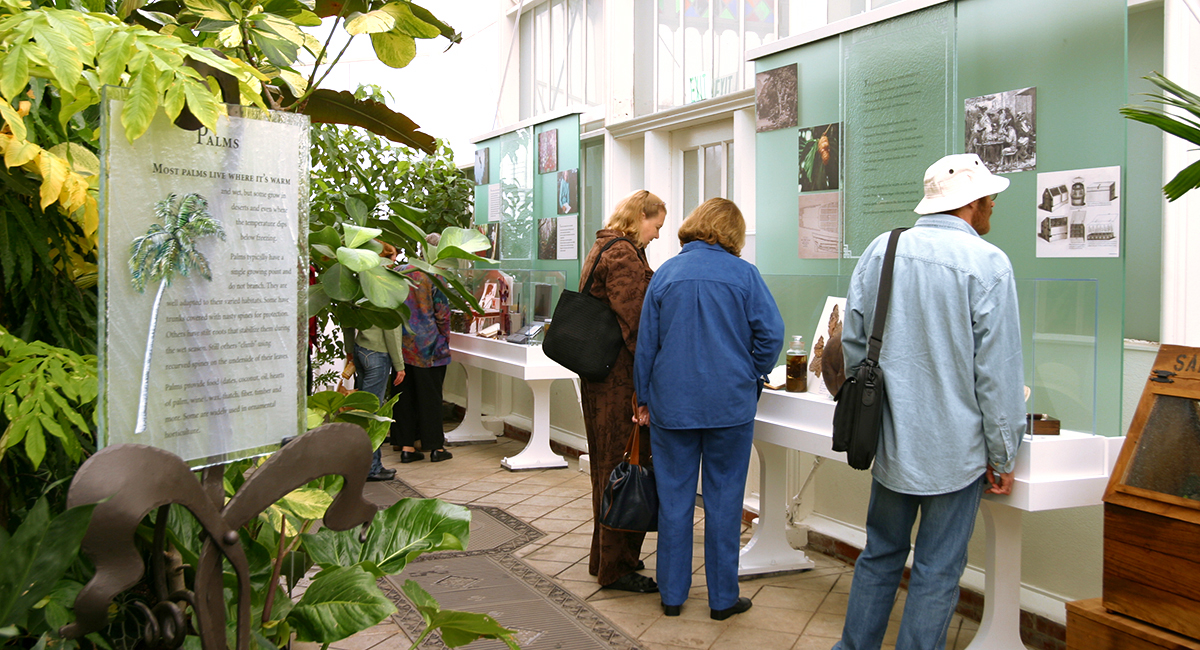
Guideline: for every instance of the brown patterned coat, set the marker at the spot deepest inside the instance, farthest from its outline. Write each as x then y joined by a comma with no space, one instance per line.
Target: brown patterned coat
621,279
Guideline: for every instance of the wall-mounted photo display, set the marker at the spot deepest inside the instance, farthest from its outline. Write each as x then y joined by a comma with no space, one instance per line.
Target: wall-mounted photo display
481,166
819,157
492,232
1002,129
547,239
820,225
548,151
568,191
1079,213
775,98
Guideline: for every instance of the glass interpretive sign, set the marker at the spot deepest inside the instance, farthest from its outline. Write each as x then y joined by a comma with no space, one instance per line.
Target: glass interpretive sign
203,277
892,69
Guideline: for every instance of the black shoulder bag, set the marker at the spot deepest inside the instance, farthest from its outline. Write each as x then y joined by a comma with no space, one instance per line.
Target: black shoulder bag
858,416
584,335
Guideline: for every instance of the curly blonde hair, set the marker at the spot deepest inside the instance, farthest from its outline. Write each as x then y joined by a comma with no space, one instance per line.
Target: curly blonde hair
627,217
716,221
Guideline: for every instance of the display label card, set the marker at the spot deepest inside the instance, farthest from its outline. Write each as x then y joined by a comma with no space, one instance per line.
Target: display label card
203,279
1078,213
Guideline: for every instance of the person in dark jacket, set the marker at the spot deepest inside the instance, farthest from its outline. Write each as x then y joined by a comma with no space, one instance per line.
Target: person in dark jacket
621,276
710,332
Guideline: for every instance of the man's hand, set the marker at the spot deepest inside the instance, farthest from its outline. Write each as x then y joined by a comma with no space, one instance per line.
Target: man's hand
399,378
1004,486
642,415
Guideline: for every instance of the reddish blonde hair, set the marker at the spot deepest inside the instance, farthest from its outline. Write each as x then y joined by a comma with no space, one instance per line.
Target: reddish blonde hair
716,221
632,210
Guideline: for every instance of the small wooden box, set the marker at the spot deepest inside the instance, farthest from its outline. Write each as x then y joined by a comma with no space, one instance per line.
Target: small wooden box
1040,424
1091,627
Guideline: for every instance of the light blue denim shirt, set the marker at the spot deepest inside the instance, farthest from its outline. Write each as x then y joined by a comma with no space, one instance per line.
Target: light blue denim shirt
951,356
710,330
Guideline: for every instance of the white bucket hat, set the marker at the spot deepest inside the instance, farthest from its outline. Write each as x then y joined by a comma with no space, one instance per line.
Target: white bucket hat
955,181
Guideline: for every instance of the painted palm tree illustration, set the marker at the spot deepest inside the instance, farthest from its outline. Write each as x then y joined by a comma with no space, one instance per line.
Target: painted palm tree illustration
166,250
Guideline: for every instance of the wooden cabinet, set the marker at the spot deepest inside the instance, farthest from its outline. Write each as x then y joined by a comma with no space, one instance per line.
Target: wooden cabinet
1091,627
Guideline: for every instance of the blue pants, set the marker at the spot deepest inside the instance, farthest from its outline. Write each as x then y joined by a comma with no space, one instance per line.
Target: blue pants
677,456
372,370
947,521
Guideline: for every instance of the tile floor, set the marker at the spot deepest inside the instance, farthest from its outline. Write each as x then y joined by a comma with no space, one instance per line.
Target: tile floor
799,611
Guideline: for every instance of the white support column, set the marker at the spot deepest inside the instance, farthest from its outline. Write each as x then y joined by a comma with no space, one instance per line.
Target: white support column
659,180
744,193
1181,218
619,64
617,163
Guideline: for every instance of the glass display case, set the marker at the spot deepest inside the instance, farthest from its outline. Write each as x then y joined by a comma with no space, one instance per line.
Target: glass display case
517,303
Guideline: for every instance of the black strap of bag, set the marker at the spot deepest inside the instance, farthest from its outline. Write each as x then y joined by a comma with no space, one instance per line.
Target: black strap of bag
858,415
883,297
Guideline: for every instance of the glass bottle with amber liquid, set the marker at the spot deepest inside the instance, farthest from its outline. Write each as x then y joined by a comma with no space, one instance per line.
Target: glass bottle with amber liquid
797,366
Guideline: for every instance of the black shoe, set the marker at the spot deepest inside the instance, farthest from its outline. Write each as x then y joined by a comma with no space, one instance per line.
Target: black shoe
671,610
634,582
438,455
383,475
410,456
740,606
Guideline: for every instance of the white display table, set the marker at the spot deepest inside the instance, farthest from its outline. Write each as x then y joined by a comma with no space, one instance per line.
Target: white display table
1064,471
526,362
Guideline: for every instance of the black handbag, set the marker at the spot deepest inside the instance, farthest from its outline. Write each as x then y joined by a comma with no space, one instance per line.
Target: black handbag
584,335
630,500
858,416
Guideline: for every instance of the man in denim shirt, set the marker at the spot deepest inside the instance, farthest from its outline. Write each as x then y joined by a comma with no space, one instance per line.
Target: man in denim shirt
955,411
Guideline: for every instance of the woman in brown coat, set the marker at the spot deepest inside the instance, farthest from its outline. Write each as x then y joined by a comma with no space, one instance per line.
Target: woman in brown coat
621,278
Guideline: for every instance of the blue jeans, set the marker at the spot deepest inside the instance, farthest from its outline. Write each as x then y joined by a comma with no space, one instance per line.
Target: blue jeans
947,521
677,456
371,372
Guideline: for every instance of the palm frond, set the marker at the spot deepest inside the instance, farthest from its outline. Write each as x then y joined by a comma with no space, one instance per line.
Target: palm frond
1180,126
1184,181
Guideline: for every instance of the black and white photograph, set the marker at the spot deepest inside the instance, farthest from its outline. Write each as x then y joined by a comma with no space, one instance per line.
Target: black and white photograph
568,191
481,166
1079,213
819,152
1002,129
820,225
548,151
775,98
548,239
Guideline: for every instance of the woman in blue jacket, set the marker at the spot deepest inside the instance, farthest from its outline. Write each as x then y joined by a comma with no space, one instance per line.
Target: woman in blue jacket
710,332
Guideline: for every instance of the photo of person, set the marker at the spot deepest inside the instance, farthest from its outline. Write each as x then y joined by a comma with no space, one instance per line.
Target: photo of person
1002,130
548,239
548,151
490,298
492,232
819,157
568,191
481,166
775,98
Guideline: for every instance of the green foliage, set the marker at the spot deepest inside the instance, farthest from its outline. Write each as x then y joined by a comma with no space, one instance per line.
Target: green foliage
48,396
342,598
36,558
458,628
397,536
1179,125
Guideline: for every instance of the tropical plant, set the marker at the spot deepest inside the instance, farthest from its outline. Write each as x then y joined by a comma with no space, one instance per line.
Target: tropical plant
1179,125
166,250
48,399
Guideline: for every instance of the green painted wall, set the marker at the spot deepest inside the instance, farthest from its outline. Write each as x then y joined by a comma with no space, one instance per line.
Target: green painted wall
1074,52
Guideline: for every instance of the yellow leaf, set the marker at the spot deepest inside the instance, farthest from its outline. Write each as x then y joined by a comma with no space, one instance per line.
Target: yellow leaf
54,171
74,191
91,220
12,120
19,152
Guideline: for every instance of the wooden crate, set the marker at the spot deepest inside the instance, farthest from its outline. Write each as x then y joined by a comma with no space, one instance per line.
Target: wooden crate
1091,627
1151,570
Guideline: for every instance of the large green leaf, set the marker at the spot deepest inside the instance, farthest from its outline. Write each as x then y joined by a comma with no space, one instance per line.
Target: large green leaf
407,23
340,283
318,300
445,30
398,534
371,22
357,259
356,236
457,628
305,503
214,9
394,49
37,556
327,236
330,107
384,288
339,603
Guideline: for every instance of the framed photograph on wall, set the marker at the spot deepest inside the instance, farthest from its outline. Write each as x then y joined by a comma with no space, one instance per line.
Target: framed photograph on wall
820,166
775,98
1002,129
568,191
548,151
481,166
548,239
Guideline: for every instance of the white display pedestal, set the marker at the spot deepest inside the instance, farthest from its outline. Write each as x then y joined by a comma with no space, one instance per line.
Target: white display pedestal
525,362
1065,471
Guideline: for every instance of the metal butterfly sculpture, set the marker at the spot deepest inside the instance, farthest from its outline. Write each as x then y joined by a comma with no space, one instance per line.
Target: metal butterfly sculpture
128,481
